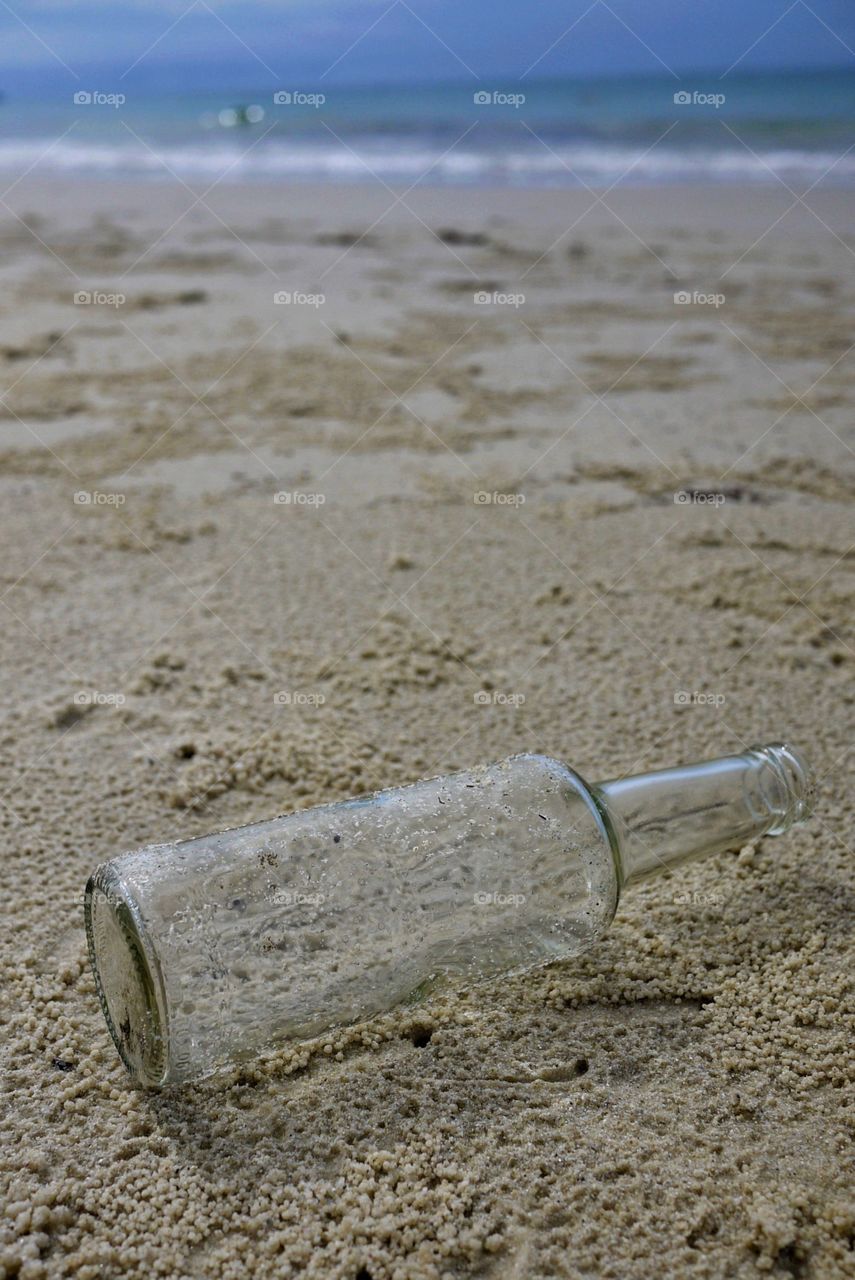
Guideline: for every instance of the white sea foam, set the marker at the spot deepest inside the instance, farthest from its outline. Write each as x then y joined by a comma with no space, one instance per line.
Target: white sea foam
571,164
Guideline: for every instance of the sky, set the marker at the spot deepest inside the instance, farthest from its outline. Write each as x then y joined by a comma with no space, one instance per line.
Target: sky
49,45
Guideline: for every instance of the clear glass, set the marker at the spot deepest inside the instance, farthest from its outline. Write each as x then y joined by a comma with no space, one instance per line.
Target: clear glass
211,950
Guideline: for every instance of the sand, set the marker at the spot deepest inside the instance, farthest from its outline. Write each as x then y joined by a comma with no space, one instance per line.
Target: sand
674,1102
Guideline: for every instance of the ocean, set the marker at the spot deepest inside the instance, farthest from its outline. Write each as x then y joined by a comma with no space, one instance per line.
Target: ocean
797,128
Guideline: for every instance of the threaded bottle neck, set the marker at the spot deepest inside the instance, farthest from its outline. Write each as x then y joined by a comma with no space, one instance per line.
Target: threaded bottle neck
663,818
793,783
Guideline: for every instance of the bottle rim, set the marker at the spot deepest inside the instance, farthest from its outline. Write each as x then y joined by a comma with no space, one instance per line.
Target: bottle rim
795,777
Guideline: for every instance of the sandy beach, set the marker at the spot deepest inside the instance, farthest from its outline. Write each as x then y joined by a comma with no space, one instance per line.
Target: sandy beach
591,458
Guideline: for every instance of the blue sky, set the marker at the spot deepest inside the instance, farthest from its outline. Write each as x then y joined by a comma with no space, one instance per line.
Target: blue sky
177,43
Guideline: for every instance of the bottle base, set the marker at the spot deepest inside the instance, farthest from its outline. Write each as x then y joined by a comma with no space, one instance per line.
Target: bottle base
127,979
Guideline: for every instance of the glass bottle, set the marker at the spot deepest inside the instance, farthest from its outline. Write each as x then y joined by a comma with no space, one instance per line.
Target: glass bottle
211,950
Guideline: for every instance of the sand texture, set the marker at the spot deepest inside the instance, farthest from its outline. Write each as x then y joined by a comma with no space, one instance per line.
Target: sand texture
673,1103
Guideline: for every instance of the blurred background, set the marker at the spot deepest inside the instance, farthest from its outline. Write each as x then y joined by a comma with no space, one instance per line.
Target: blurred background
556,95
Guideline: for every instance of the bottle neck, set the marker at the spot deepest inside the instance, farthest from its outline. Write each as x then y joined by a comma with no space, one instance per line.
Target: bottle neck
658,820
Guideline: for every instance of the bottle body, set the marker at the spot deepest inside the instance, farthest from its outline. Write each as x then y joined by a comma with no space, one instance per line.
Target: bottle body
212,949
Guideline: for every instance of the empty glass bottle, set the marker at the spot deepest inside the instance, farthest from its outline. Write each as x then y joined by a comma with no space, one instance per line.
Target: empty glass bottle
210,950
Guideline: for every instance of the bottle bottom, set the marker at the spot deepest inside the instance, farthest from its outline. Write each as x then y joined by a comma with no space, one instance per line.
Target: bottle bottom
126,979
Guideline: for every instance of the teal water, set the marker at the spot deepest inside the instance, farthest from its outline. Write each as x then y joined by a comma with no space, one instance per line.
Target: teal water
758,128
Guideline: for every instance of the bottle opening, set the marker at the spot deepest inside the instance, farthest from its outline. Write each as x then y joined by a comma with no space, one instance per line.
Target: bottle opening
794,782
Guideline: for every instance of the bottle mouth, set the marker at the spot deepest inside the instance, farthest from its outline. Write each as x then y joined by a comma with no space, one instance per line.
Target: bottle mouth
127,978
792,780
